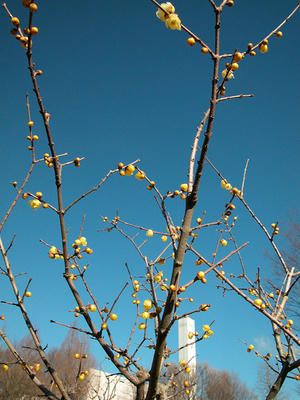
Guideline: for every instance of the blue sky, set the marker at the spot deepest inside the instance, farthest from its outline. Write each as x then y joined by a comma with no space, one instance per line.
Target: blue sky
120,86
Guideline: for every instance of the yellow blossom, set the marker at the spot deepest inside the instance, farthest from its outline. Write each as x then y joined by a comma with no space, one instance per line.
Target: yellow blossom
167,7
53,250
173,22
230,74
83,241
35,204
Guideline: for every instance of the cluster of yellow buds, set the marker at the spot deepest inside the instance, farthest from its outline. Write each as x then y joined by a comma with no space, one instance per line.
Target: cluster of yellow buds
227,73
115,220
81,242
275,229
204,307
169,17
151,185
35,203
136,285
23,39
48,160
259,303
54,253
208,331
201,276
191,335
30,4
35,367
32,138
158,276
82,375
128,170
32,31
78,356
183,188
252,292
226,185
289,323
16,22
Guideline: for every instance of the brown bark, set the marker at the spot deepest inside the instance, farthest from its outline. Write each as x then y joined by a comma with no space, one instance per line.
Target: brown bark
191,202
140,391
279,382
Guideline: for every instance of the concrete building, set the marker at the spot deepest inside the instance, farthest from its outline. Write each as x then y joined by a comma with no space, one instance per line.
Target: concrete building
187,348
104,386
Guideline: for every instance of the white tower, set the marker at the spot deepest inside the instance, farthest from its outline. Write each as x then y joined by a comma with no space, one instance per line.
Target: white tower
186,326
187,347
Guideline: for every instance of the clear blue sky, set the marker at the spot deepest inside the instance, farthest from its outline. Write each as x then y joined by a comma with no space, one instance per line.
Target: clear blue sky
120,86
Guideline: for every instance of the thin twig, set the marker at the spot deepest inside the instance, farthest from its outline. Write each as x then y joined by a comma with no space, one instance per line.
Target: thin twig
112,171
197,39
244,177
238,96
277,28
71,327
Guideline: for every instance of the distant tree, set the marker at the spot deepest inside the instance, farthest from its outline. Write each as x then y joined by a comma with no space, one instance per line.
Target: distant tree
265,380
73,361
292,256
14,384
208,384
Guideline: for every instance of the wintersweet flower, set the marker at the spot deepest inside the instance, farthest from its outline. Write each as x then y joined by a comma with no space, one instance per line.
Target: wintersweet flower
35,204
173,22
230,74
83,241
223,183
167,7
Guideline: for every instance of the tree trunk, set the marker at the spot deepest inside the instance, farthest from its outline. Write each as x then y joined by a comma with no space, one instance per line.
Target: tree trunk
278,383
140,391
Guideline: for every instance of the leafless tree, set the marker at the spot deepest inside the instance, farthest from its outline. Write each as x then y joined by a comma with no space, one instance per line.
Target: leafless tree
73,361
265,380
14,384
208,384
292,256
164,297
